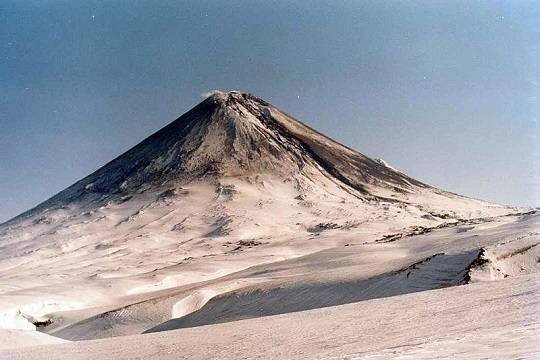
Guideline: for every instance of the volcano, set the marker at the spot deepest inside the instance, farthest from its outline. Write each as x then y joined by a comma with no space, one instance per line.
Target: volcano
237,135
234,196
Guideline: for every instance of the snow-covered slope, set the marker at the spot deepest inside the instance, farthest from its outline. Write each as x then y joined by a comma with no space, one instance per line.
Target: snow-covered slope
232,189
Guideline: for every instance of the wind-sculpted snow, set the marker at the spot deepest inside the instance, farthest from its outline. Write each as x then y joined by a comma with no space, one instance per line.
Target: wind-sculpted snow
484,320
336,276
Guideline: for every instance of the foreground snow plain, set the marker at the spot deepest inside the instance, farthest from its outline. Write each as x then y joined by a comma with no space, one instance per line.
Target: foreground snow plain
384,313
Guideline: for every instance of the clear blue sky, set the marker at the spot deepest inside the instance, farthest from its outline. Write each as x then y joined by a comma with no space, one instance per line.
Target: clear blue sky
447,91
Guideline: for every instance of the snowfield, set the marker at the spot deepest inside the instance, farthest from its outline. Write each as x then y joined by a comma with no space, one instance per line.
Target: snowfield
484,320
238,231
